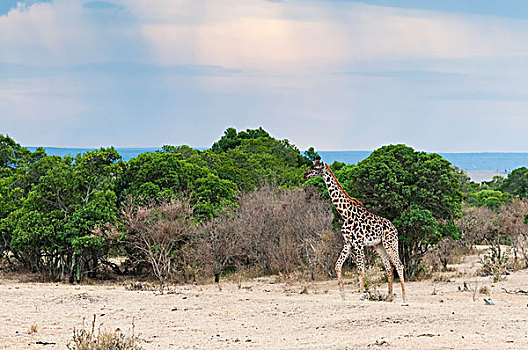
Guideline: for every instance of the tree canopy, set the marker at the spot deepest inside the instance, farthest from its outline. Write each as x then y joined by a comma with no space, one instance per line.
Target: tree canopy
419,192
516,183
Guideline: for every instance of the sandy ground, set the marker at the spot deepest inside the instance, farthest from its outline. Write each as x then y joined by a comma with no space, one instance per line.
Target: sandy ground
267,315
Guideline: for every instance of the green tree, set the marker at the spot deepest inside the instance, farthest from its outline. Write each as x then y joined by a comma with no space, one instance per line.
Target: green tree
266,159
233,139
311,154
15,181
12,156
494,184
223,166
516,183
164,175
52,231
250,158
419,192
488,198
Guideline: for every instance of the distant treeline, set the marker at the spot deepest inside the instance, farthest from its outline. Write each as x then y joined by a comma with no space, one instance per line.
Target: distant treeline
181,213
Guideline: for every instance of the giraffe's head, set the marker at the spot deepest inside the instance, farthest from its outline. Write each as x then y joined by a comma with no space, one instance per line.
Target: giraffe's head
317,169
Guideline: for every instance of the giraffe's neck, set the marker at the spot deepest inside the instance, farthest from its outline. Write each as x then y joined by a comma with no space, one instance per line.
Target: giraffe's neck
340,199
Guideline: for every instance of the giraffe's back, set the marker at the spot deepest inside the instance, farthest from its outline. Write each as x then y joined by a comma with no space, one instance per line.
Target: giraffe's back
367,227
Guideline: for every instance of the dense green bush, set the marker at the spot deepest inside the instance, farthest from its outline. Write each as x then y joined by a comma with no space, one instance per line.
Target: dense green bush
419,192
51,229
165,175
516,183
492,199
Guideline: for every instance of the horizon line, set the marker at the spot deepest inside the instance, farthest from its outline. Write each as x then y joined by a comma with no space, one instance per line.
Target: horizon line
301,150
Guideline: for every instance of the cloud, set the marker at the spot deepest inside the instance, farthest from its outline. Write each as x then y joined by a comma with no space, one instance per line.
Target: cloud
268,36
65,32
18,5
315,36
101,5
335,75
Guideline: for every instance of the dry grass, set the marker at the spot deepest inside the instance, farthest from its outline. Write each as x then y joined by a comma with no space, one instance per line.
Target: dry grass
88,339
33,329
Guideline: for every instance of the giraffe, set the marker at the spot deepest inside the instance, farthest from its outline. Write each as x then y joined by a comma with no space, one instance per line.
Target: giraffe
360,228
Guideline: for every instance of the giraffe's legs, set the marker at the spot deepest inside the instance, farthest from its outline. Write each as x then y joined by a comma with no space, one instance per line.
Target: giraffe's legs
392,253
399,268
388,268
339,264
360,262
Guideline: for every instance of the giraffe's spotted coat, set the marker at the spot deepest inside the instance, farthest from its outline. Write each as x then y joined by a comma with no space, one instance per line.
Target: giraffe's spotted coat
361,228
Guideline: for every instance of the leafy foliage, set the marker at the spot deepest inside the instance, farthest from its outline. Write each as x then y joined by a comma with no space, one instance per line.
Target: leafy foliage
51,231
165,175
419,192
488,198
265,160
516,183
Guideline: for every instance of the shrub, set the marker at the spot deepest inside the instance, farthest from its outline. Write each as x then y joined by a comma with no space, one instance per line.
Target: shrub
283,228
477,225
513,222
494,262
419,192
442,254
221,244
156,233
84,339
275,230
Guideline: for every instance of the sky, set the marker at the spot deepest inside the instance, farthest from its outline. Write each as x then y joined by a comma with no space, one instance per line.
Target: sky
440,76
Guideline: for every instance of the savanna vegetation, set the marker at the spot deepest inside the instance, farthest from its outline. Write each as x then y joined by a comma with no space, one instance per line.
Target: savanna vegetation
181,214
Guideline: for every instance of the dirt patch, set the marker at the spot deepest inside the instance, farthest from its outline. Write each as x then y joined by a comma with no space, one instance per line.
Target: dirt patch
263,314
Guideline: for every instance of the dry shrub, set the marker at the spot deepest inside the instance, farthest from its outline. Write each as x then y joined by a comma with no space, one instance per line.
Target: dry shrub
442,254
327,250
477,225
88,339
283,228
221,245
484,290
33,329
508,225
513,223
280,231
495,262
156,234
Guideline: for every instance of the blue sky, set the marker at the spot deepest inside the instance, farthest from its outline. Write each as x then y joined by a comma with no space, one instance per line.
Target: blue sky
446,76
